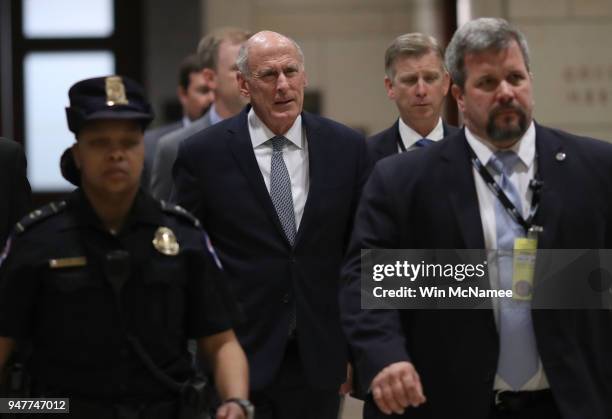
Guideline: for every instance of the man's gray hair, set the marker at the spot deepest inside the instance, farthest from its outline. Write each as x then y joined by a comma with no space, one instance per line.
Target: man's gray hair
478,36
411,45
242,62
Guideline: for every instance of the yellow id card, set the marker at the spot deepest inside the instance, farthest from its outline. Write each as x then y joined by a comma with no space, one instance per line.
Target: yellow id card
523,267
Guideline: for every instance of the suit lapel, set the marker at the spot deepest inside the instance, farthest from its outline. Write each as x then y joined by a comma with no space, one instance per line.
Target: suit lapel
448,129
445,129
316,172
390,143
463,197
242,150
549,170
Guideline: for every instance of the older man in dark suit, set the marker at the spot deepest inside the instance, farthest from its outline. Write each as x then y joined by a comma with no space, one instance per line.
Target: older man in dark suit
277,188
511,361
417,81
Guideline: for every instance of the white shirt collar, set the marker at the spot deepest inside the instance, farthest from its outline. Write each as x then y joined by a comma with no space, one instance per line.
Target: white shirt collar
524,148
260,133
410,136
186,121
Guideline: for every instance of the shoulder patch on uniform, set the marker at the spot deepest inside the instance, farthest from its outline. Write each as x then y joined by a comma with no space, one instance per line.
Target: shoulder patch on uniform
38,215
181,212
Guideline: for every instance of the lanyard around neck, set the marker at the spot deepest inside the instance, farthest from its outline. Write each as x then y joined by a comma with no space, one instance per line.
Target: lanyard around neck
401,143
534,184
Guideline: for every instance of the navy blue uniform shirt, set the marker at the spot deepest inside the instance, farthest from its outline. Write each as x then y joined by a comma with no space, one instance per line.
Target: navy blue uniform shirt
55,292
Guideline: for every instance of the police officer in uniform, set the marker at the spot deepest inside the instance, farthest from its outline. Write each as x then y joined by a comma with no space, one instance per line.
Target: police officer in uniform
108,285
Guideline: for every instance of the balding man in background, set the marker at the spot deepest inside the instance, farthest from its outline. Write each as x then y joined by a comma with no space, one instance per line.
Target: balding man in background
217,53
277,187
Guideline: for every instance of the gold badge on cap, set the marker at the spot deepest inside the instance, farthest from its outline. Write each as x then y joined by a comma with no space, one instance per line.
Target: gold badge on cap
115,91
165,242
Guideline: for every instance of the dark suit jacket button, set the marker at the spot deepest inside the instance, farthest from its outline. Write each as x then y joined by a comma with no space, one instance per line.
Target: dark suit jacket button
286,298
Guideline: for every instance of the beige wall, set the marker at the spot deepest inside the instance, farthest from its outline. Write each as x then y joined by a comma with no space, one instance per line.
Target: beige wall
571,52
344,43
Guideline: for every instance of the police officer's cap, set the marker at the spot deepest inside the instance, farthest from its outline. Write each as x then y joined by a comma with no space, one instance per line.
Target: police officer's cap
111,97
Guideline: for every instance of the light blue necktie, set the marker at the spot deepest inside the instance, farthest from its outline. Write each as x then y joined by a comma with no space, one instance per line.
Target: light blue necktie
518,357
280,193
423,142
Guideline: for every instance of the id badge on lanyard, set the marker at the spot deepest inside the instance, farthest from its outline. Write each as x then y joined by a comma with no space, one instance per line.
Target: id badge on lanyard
525,248
523,264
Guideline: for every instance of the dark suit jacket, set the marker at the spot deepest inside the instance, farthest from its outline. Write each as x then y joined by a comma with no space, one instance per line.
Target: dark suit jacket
428,200
385,143
14,187
217,178
151,139
165,156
